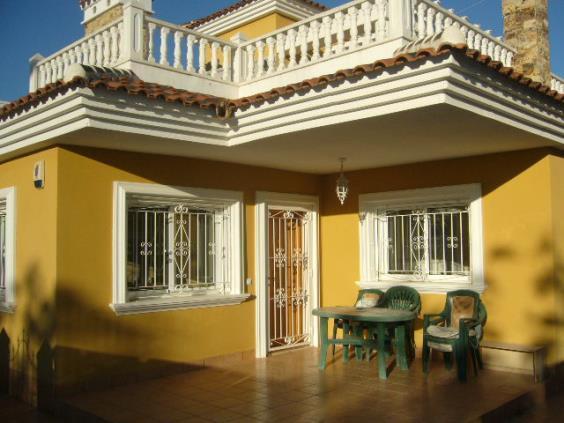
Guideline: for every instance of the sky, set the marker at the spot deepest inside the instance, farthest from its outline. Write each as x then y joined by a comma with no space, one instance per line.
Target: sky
46,26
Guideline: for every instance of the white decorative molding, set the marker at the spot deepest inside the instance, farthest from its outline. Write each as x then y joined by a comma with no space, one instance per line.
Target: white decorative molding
263,201
369,204
292,9
233,200
441,81
8,302
177,303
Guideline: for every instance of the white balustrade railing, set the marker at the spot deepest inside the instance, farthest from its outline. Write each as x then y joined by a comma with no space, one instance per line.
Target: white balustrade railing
189,51
557,83
102,48
137,39
431,18
331,33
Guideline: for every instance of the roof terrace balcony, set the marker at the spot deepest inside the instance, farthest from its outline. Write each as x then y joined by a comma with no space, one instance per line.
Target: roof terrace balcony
358,32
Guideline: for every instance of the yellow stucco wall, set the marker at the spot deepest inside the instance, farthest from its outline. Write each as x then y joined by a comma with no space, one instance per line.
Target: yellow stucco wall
518,255
86,325
557,197
64,234
260,26
36,237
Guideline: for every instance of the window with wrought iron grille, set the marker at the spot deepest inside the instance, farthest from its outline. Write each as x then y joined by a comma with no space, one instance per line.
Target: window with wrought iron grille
429,238
176,247
7,250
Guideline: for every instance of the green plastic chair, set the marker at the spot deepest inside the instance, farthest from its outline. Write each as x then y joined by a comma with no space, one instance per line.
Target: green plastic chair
344,326
401,297
457,331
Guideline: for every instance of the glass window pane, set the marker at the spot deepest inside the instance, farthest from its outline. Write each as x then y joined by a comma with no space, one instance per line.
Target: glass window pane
147,245
406,248
432,241
449,241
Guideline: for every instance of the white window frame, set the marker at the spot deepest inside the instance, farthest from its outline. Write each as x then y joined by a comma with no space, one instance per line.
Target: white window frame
8,299
371,205
232,200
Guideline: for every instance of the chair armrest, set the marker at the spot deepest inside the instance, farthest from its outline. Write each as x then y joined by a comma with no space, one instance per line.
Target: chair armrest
465,325
432,319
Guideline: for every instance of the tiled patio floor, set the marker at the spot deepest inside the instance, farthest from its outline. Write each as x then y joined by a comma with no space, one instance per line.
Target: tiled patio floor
289,387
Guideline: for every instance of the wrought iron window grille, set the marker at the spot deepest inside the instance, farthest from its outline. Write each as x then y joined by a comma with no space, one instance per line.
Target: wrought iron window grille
177,249
424,243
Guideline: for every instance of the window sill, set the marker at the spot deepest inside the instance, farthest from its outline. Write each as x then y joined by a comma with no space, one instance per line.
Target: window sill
177,303
9,308
435,287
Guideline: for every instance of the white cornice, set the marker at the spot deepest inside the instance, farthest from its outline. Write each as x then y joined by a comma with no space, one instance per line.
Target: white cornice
82,109
443,80
293,9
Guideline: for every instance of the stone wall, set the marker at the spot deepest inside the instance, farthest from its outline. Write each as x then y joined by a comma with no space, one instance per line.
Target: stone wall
526,29
104,19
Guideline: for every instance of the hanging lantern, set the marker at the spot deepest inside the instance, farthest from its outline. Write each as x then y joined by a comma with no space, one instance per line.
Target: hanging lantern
342,185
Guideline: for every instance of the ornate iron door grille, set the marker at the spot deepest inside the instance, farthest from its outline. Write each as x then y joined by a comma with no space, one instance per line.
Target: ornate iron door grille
288,278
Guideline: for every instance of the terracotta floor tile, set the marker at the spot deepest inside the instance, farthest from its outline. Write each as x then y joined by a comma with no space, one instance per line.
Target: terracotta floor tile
290,387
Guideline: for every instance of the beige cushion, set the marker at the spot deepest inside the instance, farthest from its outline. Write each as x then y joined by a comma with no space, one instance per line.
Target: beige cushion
442,332
440,347
368,300
445,333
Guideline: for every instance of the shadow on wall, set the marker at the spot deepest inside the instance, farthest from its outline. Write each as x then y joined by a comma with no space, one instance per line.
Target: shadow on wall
546,283
28,356
4,363
36,370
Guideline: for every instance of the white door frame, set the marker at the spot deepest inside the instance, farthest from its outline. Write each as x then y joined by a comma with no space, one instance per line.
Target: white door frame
264,200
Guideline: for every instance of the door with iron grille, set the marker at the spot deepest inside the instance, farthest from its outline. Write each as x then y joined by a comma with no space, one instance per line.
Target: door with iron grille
289,277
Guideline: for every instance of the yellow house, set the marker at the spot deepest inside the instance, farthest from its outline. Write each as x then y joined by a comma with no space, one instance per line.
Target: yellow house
168,192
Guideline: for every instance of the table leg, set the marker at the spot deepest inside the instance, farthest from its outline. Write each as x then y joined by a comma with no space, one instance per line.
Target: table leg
401,352
346,330
324,334
358,332
381,334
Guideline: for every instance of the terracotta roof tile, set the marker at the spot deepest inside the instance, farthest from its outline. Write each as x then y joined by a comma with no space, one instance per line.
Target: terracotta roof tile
225,108
127,84
400,61
239,5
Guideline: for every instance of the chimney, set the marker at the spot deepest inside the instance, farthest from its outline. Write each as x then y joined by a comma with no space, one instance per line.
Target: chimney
99,13
526,30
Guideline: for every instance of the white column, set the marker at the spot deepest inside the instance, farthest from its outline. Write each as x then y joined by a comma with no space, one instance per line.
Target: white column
34,82
214,61
250,62
339,20
151,47
281,47
401,19
163,59
177,49
353,12
271,58
226,63
327,36
260,58
133,37
202,56
190,52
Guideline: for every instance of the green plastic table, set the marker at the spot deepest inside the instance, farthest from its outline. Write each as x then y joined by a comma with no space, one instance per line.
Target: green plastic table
380,317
